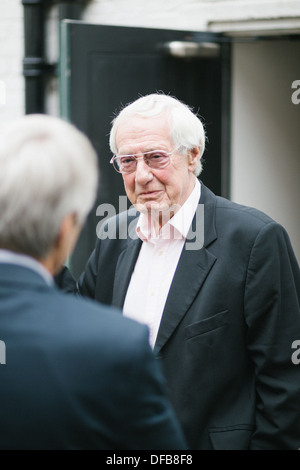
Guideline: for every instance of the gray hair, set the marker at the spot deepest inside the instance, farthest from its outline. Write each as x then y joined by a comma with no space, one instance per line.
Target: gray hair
48,170
186,129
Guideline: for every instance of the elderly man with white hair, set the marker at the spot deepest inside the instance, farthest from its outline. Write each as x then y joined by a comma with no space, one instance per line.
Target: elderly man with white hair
217,283
76,375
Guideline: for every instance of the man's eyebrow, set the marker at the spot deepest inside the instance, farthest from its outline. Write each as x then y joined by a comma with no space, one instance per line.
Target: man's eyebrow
152,149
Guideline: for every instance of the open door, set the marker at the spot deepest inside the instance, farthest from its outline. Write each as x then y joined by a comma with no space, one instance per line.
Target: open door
103,67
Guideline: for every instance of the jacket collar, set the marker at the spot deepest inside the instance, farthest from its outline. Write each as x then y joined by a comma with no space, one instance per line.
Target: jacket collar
12,275
125,265
19,259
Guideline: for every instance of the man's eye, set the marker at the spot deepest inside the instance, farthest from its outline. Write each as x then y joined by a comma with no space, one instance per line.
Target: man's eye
127,160
157,157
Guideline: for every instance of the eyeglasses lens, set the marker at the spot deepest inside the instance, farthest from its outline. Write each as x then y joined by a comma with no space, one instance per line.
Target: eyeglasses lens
128,163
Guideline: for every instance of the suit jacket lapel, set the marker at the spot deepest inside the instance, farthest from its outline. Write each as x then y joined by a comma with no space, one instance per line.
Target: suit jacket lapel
192,269
189,277
125,266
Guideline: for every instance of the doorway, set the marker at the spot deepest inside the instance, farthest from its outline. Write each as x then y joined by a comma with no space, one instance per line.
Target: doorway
265,136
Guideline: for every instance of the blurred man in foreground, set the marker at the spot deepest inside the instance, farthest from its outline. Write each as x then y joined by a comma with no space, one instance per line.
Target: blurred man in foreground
77,375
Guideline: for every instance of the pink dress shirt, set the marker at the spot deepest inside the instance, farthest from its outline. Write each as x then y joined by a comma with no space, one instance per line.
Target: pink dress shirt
156,265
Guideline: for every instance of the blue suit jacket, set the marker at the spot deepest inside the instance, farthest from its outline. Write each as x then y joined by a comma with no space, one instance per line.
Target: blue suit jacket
78,375
229,322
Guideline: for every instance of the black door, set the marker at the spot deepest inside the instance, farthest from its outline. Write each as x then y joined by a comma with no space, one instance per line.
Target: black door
104,67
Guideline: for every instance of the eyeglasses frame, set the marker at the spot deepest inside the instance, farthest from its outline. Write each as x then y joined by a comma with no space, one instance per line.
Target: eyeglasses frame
114,157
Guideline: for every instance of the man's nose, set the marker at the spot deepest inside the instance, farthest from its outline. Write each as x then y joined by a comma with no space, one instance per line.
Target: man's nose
143,173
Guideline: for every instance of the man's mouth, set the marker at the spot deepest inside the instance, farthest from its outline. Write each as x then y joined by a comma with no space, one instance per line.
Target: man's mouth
149,194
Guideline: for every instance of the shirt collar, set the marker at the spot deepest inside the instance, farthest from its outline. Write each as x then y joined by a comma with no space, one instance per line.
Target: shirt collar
178,226
9,257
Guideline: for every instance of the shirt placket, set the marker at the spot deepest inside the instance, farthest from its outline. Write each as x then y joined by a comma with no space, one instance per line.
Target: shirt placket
155,282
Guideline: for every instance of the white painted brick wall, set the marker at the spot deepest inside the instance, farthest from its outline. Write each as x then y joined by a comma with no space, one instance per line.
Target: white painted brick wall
11,55
187,14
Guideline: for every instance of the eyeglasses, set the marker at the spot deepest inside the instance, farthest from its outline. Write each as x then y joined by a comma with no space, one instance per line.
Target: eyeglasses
156,159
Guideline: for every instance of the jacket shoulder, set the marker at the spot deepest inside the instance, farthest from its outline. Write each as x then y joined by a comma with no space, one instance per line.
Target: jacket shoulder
244,213
234,219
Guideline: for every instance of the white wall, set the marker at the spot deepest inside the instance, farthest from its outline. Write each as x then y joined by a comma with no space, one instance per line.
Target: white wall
189,14
11,55
266,132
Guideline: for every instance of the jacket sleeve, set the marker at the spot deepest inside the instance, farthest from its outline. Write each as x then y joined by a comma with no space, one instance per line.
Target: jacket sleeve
86,285
65,281
272,298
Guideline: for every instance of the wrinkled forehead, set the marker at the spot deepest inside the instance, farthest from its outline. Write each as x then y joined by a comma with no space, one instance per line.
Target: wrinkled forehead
142,134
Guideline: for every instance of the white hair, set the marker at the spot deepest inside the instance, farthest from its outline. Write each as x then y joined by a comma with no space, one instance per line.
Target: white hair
48,170
186,129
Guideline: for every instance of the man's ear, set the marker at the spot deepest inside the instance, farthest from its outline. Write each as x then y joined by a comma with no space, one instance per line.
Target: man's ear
64,244
68,232
193,158
65,241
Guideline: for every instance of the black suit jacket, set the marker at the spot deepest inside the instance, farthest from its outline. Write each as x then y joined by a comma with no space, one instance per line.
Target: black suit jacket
227,329
77,375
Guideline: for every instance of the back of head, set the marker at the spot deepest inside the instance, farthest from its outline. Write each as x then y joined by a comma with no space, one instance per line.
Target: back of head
48,171
186,129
